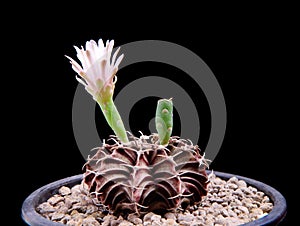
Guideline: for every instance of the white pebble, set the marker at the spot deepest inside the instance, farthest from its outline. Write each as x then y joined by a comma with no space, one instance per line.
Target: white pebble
242,183
64,191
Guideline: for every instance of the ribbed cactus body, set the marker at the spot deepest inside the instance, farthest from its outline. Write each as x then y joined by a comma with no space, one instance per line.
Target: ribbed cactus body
142,175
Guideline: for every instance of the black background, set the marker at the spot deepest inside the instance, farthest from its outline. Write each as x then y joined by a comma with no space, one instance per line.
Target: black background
247,62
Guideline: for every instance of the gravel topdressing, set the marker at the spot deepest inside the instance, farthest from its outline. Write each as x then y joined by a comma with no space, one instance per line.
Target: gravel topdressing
230,202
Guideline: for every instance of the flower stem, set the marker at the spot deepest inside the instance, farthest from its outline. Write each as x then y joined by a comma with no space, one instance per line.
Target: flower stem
113,118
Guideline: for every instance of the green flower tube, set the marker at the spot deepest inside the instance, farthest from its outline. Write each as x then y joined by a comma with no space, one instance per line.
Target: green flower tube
113,119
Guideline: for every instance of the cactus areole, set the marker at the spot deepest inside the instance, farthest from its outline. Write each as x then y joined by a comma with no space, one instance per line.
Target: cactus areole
154,173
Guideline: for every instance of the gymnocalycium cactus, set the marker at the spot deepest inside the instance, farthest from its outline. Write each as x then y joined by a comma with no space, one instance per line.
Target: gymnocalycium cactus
137,174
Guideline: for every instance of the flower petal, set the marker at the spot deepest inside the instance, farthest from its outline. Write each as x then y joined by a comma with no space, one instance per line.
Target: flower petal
109,49
81,56
88,45
92,92
80,80
110,46
95,50
120,58
77,49
100,44
114,57
76,67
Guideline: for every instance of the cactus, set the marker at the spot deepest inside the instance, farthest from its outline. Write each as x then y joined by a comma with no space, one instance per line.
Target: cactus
137,175
142,175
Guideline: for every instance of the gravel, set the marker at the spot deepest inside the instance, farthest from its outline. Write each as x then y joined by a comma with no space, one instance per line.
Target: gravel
230,202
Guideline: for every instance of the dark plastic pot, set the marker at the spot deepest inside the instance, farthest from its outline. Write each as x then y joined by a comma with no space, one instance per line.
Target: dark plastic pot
31,217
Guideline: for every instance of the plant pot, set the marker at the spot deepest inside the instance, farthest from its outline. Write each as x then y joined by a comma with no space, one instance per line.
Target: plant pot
32,217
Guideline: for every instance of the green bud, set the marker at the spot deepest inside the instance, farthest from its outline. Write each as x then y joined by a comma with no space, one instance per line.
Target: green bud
164,120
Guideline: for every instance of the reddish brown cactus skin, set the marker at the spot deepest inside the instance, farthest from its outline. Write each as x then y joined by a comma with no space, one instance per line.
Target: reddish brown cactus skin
143,176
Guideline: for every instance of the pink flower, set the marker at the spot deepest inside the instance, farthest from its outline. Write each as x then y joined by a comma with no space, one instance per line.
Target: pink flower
97,69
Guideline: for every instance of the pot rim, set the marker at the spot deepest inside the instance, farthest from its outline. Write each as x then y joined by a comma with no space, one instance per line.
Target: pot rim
32,217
